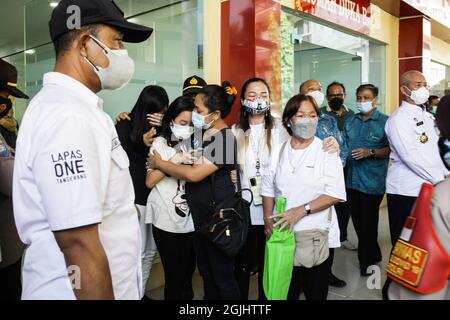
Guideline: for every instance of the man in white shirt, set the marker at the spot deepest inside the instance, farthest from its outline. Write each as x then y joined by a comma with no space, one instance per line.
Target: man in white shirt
73,195
413,138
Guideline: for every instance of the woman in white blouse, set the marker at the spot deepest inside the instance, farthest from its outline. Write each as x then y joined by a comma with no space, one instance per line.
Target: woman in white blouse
312,180
257,134
167,208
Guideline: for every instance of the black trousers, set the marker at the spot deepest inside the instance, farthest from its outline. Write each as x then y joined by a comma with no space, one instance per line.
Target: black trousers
251,260
343,215
365,211
188,291
217,270
399,208
175,250
314,281
10,282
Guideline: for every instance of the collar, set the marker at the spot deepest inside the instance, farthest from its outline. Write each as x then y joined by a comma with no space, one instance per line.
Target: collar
330,110
411,107
374,116
69,83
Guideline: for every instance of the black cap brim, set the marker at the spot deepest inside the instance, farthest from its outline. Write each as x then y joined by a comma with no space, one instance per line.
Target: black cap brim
16,93
132,32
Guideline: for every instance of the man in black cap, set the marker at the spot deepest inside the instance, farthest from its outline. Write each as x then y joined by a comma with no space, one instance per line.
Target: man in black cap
9,90
11,248
73,194
193,85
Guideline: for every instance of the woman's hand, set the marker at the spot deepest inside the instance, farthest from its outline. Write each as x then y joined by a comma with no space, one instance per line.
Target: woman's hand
153,160
123,116
183,158
148,137
155,119
331,145
359,154
268,227
289,218
234,178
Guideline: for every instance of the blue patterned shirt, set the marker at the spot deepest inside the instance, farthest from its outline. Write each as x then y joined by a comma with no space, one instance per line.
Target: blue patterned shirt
327,127
367,175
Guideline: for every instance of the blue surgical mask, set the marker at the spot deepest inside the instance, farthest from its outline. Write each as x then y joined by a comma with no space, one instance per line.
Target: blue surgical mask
364,107
199,121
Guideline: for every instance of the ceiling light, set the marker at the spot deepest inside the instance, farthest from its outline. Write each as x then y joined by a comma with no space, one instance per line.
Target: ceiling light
30,51
53,4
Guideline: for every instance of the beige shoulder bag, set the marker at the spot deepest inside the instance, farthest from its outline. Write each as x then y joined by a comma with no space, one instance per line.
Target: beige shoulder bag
312,247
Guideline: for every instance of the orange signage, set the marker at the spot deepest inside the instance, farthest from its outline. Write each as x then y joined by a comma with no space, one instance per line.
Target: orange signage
407,263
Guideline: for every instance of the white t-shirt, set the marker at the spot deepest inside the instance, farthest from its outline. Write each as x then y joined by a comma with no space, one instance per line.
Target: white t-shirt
257,146
316,173
167,207
71,171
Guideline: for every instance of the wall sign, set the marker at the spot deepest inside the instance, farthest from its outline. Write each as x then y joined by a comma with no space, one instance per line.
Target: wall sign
352,14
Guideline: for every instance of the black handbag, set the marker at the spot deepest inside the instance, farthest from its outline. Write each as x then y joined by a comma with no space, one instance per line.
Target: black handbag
227,227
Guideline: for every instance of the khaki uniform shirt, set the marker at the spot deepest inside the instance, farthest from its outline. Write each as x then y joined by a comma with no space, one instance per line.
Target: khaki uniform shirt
11,248
440,215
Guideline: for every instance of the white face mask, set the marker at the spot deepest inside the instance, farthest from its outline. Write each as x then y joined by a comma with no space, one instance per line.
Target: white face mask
318,96
181,132
119,71
419,96
364,107
305,128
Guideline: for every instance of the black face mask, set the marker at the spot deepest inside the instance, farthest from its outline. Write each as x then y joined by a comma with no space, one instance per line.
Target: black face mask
444,150
5,106
336,103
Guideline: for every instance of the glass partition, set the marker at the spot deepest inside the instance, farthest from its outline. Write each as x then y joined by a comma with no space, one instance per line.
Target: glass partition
316,51
172,53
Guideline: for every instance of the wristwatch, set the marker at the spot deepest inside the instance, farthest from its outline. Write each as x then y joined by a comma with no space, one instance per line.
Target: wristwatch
372,152
308,209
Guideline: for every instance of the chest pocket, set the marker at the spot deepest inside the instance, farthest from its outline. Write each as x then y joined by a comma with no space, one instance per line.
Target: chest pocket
120,158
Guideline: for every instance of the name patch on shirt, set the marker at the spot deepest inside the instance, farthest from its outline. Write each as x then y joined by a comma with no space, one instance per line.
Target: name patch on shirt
407,263
68,166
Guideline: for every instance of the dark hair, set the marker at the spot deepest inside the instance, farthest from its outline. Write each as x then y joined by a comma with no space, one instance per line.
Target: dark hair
443,117
371,87
219,98
335,83
63,43
178,106
292,107
243,120
153,99
431,98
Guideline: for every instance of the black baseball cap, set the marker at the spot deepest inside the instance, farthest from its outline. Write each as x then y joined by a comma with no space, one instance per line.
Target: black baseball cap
193,85
8,80
96,11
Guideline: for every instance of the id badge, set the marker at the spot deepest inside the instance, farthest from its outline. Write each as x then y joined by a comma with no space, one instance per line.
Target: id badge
255,186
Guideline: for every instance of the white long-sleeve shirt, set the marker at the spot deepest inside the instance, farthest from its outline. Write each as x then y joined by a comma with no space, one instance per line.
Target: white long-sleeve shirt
414,160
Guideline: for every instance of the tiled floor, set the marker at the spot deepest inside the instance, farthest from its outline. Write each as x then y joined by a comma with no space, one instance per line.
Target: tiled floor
345,267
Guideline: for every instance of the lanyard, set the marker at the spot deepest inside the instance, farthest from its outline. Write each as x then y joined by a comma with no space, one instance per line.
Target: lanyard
257,147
